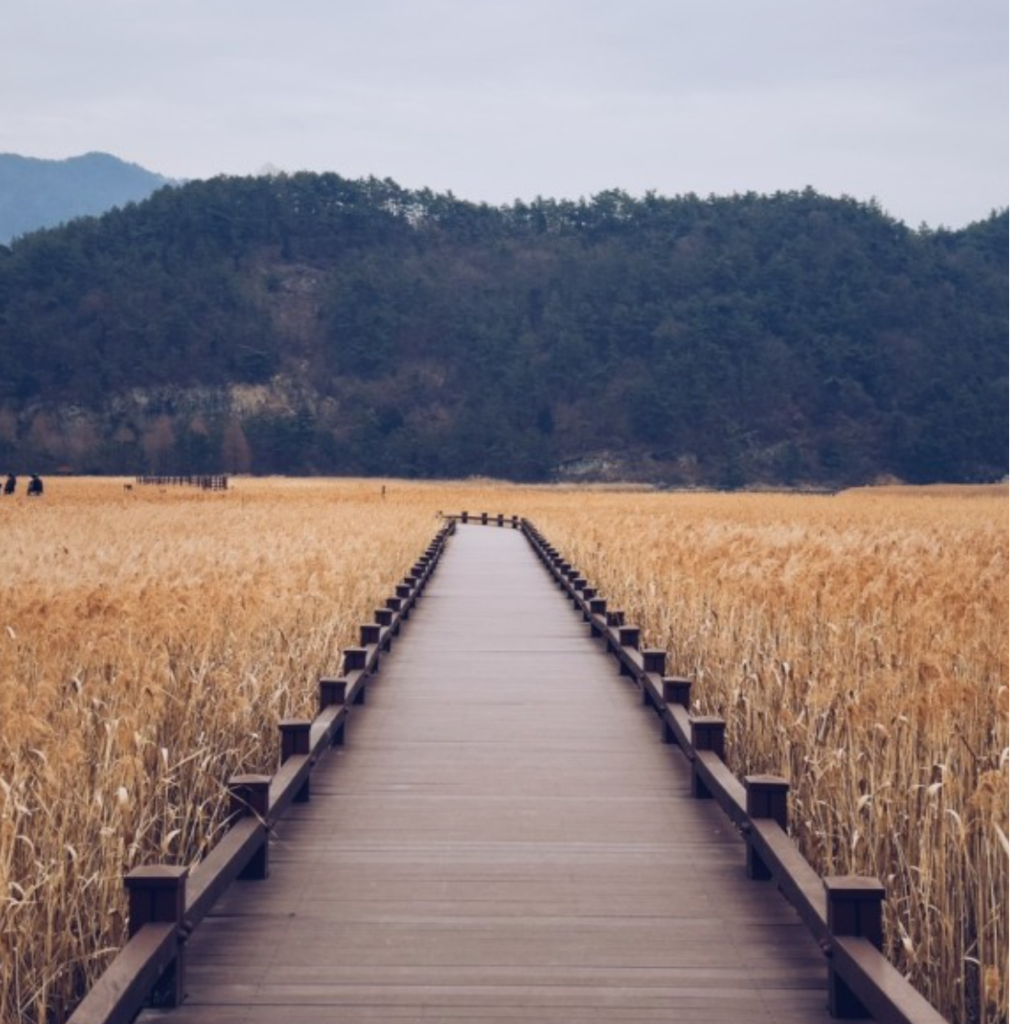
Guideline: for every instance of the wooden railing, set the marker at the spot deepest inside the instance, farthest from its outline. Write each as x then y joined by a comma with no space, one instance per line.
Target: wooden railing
485,519
844,913
166,902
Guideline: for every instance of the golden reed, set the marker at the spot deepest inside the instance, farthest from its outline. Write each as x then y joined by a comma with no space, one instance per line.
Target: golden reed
150,640
856,645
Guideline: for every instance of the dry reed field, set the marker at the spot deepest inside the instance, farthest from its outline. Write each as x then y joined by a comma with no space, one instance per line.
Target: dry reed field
150,641
857,646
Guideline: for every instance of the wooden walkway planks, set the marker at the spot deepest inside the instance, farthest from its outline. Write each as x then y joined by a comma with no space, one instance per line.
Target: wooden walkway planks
503,837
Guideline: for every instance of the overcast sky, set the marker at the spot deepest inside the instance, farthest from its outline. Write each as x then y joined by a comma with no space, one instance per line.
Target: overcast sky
902,101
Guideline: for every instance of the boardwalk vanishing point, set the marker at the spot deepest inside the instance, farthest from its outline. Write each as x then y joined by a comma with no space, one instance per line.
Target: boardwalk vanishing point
502,837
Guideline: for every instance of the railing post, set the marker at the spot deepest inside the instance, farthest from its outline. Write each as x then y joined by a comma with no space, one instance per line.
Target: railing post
628,636
384,617
354,659
250,794
157,895
295,740
855,908
333,692
767,797
615,619
676,690
653,663
597,607
707,733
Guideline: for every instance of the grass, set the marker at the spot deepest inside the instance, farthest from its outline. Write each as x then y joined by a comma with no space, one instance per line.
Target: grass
856,645
151,639
149,643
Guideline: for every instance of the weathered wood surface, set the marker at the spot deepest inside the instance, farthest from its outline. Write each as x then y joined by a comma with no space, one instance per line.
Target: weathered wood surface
502,837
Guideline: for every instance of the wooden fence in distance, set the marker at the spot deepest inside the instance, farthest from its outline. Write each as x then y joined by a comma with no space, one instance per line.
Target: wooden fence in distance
205,481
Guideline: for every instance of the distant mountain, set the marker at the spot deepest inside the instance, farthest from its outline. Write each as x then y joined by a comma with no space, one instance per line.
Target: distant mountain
37,193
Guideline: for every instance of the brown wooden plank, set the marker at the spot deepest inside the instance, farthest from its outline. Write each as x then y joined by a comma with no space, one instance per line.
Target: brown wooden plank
503,836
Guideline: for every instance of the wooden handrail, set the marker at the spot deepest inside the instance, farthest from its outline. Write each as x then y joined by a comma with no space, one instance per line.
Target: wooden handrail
155,948
222,865
484,519
126,984
860,978
880,987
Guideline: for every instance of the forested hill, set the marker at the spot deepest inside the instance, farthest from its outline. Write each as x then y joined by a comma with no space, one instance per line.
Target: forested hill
312,324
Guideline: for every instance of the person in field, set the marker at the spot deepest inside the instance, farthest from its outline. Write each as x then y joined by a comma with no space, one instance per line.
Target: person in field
10,484
35,486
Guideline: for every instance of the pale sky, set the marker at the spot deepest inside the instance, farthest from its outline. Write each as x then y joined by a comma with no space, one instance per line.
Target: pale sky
901,101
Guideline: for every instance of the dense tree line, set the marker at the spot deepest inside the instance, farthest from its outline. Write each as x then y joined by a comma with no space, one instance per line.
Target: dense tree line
312,324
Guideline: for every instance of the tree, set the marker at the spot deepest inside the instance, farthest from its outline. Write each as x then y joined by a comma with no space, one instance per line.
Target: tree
236,455
159,446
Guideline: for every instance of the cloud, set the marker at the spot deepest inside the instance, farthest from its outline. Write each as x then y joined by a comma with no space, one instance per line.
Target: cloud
904,100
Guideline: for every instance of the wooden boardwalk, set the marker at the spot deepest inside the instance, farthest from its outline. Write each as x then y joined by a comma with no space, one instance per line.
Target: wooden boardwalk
503,837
